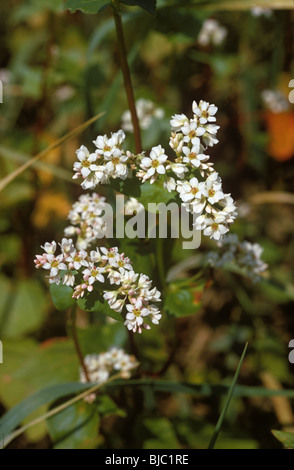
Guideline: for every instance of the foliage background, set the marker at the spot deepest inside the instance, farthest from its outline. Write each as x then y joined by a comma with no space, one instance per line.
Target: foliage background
59,69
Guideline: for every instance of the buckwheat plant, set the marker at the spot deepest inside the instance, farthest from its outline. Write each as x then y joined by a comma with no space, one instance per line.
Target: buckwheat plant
243,256
188,172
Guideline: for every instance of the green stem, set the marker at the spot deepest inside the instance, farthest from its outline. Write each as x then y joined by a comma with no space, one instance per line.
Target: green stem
56,410
76,342
160,261
126,73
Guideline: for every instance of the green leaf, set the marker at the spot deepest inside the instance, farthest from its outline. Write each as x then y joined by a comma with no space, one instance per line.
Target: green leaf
86,6
286,438
145,193
61,296
26,407
148,5
75,427
98,338
94,302
183,301
154,193
24,311
107,407
163,432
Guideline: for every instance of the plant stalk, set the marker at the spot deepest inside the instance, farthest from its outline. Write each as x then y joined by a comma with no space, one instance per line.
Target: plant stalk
126,74
76,342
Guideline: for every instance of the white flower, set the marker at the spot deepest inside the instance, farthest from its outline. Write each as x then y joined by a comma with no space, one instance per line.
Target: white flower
155,162
106,145
111,256
86,162
55,264
211,33
133,205
214,188
169,184
192,132
78,260
194,155
275,101
146,111
49,248
179,169
215,227
178,121
260,11
190,190
93,273
134,318
204,112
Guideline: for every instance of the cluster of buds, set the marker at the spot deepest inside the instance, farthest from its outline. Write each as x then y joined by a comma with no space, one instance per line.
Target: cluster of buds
244,255
129,293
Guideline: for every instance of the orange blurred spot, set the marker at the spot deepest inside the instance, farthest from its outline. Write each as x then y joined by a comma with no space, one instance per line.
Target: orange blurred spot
51,341
281,130
49,206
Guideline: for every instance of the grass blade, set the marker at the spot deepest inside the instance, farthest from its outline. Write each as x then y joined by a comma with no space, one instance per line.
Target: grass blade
227,402
9,178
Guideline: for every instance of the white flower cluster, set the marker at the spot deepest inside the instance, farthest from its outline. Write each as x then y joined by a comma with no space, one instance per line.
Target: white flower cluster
211,33
261,11
100,367
86,221
146,112
201,195
127,289
275,101
108,161
244,255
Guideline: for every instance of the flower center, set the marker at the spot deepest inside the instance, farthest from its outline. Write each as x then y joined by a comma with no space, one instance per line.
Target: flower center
194,190
192,134
192,156
214,226
137,312
211,193
155,163
115,160
106,148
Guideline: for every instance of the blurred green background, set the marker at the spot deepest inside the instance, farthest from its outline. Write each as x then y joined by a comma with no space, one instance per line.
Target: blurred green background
59,69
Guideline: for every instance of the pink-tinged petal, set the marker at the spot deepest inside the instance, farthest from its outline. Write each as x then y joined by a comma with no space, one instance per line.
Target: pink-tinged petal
130,316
